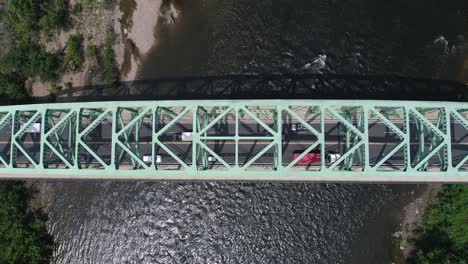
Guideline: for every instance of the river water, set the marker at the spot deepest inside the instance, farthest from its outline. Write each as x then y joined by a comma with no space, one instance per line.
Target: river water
228,222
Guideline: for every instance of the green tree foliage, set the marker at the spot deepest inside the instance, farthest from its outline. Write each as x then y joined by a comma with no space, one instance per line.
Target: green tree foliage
22,16
73,59
25,60
11,86
30,17
28,59
23,233
443,237
55,16
109,71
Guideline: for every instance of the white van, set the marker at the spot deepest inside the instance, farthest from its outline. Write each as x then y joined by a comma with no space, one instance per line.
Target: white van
34,128
186,136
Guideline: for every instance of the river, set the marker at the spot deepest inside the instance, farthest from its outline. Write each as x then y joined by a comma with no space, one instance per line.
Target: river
229,222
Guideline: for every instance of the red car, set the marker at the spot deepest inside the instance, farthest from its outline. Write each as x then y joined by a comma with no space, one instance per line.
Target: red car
308,159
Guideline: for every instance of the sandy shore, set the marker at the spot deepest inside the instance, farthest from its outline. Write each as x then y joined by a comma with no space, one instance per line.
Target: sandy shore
135,22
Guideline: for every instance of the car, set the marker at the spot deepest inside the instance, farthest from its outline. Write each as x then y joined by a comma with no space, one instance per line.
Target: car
298,127
315,158
148,158
33,128
308,159
333,157
158,158
186,136
211,159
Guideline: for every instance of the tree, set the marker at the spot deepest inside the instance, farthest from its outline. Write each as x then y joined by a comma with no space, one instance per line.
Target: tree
73,53
22,16
54,16
28,59
109,72
23,233
31,17
443,236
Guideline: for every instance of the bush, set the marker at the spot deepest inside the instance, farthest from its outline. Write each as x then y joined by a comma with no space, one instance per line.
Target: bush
109,71
12,86
73,59
25,60
91,53
443,236
55,16
31,17
23,232
28,59
22,16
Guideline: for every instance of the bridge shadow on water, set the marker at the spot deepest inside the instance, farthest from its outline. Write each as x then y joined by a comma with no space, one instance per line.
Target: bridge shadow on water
278,86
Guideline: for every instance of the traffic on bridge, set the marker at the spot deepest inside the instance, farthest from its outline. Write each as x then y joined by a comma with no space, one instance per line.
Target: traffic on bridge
288,140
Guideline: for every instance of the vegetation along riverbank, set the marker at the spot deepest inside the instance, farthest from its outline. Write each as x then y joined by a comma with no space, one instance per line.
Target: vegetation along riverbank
23,232
49,45
442,235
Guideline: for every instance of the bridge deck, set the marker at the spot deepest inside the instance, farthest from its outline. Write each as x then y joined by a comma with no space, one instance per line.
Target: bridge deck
354,140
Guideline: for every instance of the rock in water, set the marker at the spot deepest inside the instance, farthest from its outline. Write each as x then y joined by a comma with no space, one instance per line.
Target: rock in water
317,65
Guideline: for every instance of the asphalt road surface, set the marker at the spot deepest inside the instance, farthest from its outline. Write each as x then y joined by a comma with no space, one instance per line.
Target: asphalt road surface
382,140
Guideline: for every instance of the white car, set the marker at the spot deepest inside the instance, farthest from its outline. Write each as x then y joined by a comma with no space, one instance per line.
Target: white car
186,136
298,127
211,159
333,157
148,158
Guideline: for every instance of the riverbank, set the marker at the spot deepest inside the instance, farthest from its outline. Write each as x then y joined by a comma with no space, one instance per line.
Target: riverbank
133,28
442,236
411,220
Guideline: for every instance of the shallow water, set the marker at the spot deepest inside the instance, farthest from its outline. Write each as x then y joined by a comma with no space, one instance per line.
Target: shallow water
215,222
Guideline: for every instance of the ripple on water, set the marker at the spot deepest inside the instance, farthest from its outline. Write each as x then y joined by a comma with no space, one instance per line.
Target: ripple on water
169,222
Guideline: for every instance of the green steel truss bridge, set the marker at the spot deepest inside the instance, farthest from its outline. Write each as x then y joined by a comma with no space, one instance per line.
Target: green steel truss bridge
287,140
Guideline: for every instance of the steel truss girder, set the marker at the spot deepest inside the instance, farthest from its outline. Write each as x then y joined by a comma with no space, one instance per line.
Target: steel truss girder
82,118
